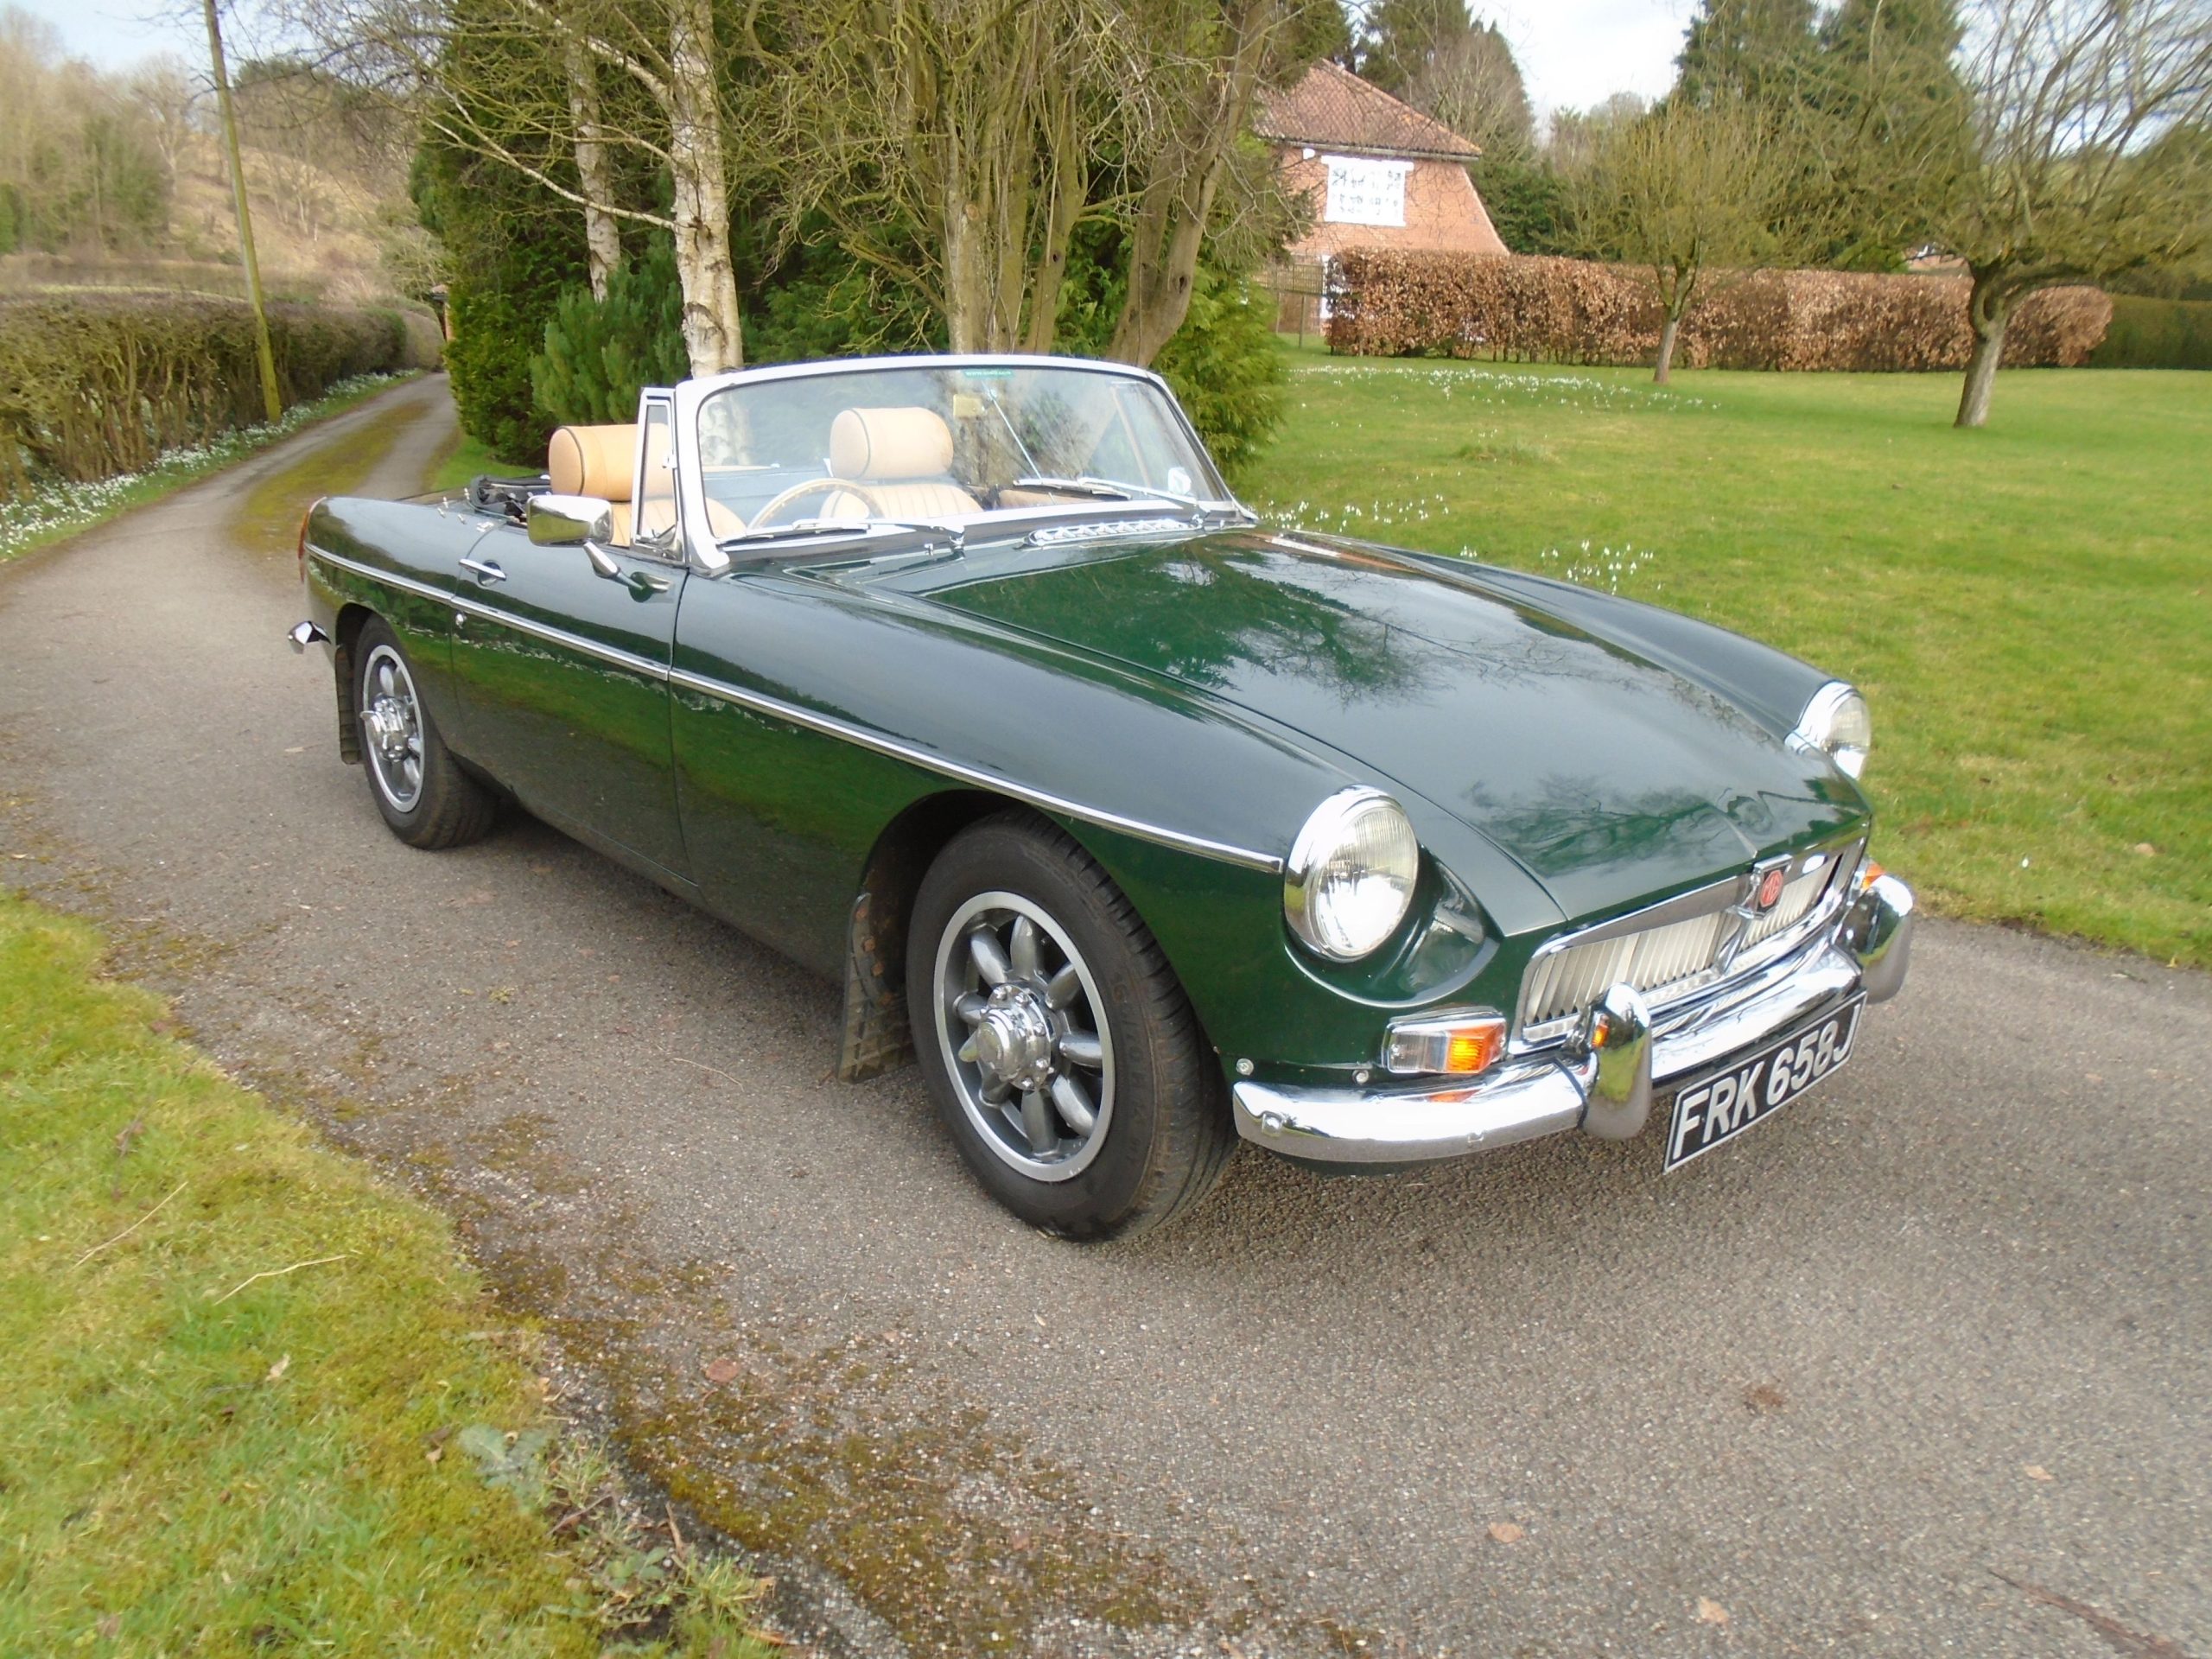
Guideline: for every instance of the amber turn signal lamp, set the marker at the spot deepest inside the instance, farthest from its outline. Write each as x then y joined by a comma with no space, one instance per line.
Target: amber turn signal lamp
1456,1044
1869,874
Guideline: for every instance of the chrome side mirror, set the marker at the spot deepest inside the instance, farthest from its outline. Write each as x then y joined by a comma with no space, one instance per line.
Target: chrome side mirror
568,520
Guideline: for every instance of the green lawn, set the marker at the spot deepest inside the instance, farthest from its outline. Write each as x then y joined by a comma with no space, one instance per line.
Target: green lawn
255,1400
2028,607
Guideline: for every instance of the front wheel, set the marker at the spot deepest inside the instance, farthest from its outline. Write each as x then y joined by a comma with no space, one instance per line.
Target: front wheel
1055,1039
424,795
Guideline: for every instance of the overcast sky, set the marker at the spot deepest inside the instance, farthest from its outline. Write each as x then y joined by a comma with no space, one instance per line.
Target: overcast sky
1573,52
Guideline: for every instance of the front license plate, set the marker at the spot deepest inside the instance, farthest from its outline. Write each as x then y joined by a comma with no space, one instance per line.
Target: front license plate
1752,1087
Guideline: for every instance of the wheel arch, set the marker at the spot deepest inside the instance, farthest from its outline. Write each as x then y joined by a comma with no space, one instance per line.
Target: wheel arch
345,633
877,1035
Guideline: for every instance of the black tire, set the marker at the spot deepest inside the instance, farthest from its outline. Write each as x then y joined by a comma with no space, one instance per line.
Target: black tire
445,806
1163,1131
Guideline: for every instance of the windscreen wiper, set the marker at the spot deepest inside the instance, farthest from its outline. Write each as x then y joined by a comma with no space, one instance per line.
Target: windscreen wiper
862,527
1106,489
801,527
1096,488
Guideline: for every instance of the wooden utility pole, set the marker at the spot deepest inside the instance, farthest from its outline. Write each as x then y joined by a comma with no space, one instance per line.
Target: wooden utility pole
272,399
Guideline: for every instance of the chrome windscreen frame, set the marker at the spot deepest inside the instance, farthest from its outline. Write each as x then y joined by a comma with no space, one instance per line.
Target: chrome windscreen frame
1732,892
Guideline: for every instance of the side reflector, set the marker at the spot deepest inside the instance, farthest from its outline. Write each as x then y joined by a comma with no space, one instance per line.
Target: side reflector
1458,1044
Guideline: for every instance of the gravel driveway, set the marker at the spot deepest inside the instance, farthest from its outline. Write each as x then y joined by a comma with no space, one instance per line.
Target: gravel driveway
1920,1367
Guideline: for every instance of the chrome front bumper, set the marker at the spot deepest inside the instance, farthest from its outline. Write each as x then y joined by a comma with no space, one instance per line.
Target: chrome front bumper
1606,1091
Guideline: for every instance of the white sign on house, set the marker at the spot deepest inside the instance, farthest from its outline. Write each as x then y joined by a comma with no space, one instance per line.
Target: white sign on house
1363,191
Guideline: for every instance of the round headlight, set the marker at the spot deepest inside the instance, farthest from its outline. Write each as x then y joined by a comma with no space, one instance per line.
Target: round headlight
1350,875
1837,720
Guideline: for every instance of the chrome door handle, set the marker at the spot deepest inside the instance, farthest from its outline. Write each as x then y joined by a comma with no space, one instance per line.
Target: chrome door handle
484,570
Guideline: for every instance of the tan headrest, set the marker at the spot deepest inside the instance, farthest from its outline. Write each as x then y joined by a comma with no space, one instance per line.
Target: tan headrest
870,443
592,461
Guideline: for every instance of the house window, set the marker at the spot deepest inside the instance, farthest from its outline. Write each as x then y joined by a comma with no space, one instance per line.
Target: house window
1363,191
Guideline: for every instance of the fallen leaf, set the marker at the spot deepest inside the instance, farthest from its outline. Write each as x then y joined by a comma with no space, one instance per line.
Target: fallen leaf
2036,1471
2145,849
434,1454
1506,1533
721,1370
276,1372
1711,1612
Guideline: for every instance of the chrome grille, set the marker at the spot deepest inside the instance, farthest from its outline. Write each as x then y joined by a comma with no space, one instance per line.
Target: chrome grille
1788,910
1678,954
1653,961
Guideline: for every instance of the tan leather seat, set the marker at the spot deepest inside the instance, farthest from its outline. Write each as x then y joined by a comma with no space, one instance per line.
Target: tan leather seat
596,461
904,456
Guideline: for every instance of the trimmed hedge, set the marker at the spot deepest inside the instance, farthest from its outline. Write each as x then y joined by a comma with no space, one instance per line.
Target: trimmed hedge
2154,333
1530,308
96,385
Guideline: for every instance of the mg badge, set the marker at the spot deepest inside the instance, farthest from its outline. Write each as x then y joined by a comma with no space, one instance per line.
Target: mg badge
1771,886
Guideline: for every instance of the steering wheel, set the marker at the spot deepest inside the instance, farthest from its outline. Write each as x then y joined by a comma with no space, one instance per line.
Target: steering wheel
811,486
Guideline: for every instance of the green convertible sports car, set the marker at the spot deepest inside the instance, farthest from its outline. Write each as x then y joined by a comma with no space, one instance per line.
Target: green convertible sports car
1142,827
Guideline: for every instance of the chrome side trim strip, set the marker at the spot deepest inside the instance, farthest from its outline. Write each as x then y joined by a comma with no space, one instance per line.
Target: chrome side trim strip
825,724
831,726
576,642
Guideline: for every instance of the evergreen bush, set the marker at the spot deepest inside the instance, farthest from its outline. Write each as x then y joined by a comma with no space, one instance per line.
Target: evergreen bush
600,354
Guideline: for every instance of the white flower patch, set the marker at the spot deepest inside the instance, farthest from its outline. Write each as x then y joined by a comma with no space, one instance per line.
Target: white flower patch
1609,568
59,505
1353,518
1506,388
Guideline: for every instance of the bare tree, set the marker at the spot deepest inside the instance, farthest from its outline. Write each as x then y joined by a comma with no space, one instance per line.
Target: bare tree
1205,68
2082,158
162,90
1571,140
1693,194
595,164
497,78
949,144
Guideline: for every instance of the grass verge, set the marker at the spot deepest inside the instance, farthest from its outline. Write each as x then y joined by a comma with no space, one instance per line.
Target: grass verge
58,510
256,1400
469,456
2028,606
267,520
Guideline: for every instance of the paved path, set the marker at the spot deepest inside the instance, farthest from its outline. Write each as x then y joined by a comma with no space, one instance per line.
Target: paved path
1920,1367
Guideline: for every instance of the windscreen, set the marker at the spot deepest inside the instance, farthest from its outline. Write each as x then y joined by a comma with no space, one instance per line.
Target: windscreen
942,441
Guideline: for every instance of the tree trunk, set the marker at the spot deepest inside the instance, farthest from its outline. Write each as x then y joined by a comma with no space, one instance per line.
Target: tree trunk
967,287
1988,311
595,167
1170,229
1665,373
713,335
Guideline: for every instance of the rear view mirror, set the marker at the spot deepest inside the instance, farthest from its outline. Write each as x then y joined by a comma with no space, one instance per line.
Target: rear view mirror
566,520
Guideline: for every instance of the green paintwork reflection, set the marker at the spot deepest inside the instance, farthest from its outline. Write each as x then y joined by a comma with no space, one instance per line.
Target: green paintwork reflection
1607,774
1564,756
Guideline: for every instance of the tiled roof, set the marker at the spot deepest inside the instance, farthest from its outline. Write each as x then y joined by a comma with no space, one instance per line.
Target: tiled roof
1333,109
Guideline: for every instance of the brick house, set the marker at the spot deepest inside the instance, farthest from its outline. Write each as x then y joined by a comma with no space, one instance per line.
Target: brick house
1379,172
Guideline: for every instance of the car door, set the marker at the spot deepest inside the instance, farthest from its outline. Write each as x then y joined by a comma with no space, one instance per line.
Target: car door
562,677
